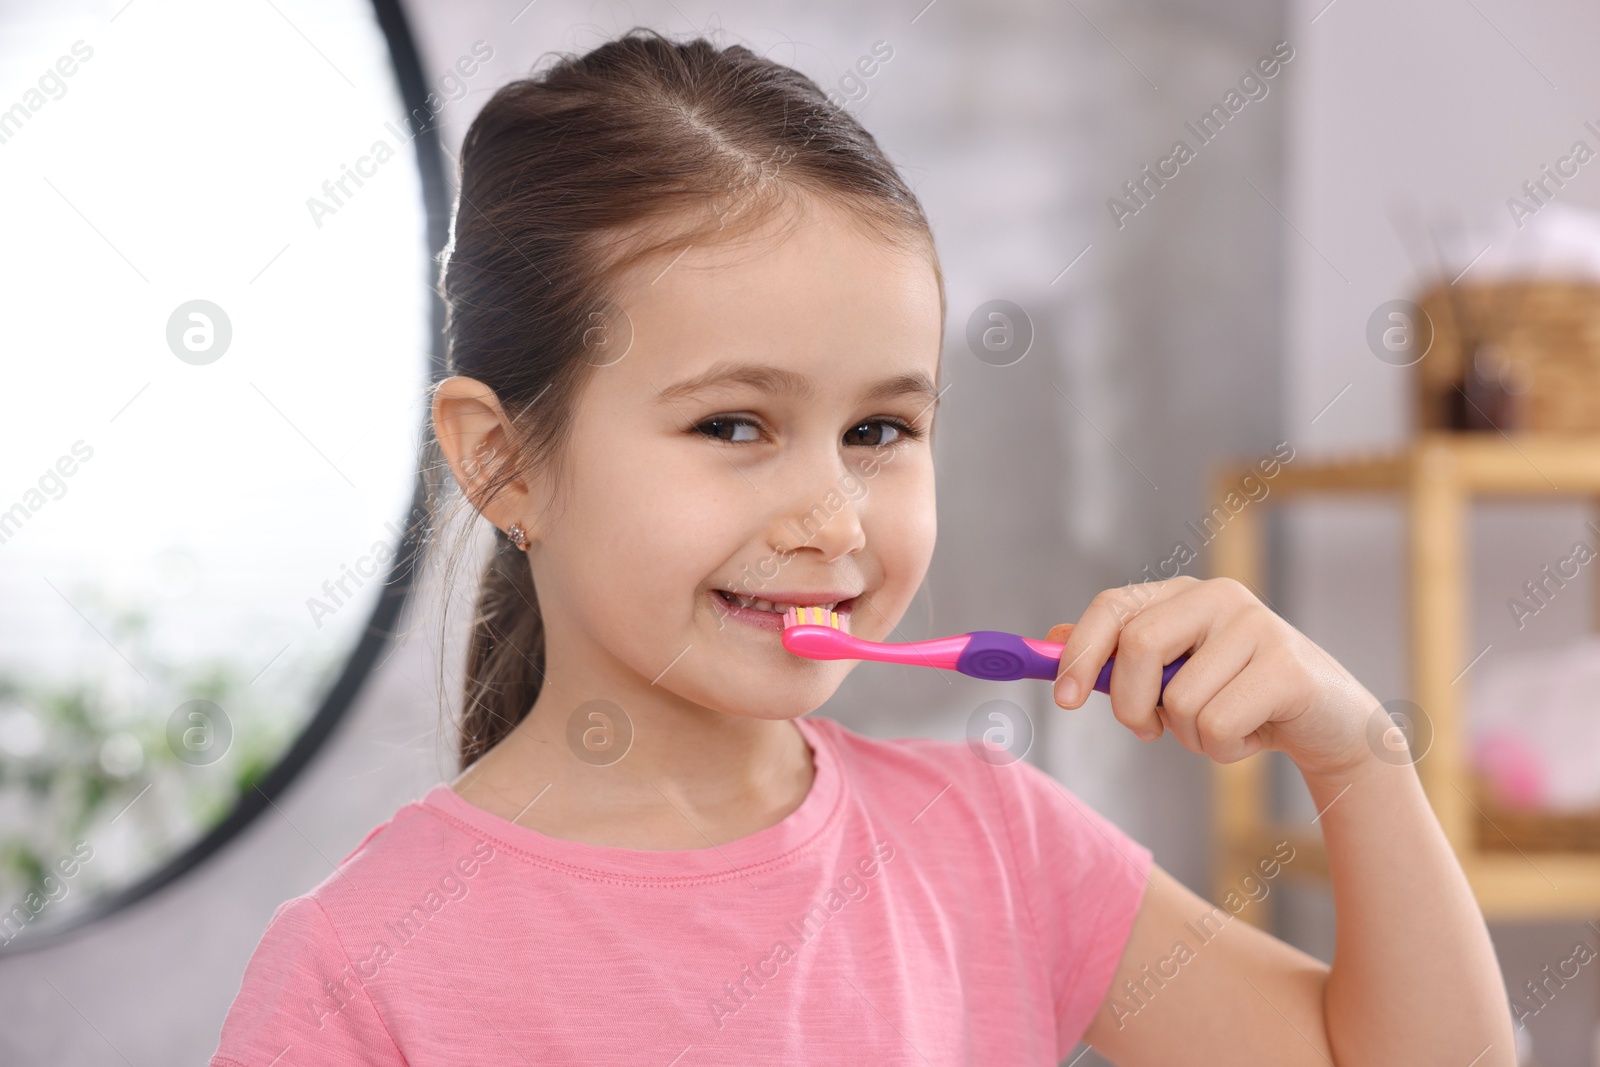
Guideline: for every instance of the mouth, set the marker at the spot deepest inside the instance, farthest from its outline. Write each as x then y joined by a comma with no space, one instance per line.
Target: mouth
768,614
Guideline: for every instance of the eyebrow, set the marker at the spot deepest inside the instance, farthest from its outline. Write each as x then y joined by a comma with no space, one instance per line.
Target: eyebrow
783,382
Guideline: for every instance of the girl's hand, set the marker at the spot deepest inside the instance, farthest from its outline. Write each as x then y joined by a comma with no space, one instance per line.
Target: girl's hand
1252,680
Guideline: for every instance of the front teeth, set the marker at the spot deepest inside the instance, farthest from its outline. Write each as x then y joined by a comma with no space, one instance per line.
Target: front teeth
759,604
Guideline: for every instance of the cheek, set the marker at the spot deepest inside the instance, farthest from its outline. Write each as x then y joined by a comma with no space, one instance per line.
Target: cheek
901,523
648,530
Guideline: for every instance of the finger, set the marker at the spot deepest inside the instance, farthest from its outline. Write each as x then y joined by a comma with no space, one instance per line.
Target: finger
1059,632
1211,666
1095,635
1231,724
1149,642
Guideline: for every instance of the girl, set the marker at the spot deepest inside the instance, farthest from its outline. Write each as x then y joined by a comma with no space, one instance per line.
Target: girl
695,325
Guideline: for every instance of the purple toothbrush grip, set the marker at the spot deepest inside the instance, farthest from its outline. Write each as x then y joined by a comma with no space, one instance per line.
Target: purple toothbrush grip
1003,657
1102,684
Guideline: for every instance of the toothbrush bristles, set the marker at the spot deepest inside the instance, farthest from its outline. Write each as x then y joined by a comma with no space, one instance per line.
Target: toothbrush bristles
814,616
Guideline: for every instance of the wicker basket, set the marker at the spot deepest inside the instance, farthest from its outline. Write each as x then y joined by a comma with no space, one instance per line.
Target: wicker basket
1512,356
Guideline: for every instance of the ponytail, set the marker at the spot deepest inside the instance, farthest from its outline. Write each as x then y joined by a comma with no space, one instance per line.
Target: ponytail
505,656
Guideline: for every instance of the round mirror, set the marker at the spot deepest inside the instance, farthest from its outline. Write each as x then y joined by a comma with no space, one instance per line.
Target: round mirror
219,338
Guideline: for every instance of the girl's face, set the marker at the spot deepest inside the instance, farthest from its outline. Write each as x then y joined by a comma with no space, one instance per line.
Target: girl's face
766,435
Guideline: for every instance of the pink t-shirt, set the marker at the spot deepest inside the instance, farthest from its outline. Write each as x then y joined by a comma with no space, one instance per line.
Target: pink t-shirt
921,906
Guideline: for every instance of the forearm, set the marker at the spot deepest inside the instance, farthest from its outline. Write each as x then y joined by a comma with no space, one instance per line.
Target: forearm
1414,977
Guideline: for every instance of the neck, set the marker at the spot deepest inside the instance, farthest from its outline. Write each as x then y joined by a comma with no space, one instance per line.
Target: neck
688,776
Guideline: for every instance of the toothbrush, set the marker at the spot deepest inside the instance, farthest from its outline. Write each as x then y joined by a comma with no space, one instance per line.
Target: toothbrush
992,654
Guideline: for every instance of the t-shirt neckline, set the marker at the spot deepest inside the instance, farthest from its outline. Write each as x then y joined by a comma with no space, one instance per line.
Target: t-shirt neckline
771,847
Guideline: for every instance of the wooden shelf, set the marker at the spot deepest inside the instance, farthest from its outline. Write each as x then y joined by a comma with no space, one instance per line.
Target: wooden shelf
1521,865
1507,884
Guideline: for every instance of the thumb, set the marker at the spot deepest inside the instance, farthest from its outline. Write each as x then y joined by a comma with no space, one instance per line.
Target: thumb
1059,632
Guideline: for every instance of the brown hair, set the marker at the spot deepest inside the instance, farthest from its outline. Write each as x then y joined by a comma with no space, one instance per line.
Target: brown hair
567,179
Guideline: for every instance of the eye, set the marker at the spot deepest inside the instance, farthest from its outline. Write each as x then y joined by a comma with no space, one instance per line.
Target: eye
870,433
734,429
865,435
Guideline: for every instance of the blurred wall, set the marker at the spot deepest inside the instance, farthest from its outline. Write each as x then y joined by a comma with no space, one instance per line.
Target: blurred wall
1156,353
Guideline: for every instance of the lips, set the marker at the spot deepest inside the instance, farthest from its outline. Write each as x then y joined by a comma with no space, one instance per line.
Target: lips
767,613
781,602
779,605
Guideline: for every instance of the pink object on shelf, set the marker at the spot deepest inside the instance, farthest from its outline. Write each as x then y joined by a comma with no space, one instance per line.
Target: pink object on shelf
1534,722
1514,769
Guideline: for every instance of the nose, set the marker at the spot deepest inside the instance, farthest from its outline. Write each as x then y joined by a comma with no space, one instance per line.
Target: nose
822,512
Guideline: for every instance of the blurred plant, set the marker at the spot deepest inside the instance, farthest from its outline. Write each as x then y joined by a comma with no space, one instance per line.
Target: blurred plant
91,758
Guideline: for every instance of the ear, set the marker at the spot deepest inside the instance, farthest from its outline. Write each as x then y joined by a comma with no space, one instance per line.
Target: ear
477,439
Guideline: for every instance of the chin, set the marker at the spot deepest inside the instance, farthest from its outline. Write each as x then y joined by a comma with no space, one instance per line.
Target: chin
756,698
